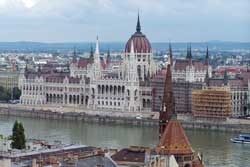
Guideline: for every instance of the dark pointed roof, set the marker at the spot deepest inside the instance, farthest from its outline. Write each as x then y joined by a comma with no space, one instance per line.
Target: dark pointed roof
167,102
91,56
108,61
189,52
174,140
138,26
207,78
170,54
207,57
74,56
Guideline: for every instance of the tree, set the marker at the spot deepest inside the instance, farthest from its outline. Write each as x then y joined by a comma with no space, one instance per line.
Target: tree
5,95
16,93
18,136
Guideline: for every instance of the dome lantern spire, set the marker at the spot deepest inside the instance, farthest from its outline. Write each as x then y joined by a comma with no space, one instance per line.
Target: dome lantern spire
138,26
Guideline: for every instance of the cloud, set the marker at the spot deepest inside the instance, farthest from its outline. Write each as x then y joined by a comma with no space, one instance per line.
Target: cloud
102,16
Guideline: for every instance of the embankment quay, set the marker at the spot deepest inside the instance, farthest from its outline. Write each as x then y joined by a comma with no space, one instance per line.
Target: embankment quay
114,117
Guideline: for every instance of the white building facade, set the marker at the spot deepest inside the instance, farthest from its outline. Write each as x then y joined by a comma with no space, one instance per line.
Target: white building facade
94,83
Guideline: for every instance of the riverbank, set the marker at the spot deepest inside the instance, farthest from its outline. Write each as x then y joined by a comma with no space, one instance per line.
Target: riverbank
112,117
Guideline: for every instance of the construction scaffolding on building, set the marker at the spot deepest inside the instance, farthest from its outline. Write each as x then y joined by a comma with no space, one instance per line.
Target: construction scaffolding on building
212,103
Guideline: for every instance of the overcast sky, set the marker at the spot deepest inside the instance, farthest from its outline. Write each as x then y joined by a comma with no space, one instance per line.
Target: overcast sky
115,20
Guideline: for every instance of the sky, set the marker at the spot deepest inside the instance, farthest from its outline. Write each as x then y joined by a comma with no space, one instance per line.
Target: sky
115,20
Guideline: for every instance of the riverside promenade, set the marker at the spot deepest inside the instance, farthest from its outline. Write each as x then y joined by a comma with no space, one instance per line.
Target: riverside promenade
146,118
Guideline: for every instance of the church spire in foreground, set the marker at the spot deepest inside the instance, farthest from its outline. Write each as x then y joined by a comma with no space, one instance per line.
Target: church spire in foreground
167,102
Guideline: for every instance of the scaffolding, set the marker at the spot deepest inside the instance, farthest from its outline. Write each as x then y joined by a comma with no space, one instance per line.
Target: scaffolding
211,103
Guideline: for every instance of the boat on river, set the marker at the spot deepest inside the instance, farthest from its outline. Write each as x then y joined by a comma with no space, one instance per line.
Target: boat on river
242,138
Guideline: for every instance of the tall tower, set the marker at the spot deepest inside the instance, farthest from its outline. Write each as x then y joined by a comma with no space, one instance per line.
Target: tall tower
132,71
97,62
144,54
167,103
133,82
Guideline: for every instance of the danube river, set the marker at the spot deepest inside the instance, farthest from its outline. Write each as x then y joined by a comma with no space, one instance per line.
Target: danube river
216,147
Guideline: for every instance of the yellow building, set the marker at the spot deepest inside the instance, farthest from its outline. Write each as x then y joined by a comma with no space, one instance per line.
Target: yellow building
212,103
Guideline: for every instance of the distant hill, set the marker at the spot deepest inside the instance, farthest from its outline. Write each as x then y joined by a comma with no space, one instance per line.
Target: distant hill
24,46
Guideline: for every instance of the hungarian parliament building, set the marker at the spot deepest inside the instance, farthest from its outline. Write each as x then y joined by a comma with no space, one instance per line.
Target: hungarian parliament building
97,83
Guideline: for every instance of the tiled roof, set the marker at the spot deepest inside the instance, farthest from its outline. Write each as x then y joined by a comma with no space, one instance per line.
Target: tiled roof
129,155
181,64
141,43
83,62
174,140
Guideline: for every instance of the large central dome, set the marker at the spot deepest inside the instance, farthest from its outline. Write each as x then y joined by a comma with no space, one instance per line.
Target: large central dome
141,43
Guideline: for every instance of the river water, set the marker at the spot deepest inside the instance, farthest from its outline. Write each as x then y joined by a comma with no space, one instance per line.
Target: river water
216,147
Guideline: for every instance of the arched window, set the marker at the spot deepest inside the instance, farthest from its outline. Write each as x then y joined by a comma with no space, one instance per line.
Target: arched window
139,71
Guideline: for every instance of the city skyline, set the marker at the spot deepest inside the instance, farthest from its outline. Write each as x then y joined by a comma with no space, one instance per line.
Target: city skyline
162,21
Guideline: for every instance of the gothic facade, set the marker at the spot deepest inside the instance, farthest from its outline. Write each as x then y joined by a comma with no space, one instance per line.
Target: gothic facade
189,70
94,83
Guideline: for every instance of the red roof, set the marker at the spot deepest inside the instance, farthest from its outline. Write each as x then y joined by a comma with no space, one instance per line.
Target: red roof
181,64
198,65
141,43
83,62
174,140
231,70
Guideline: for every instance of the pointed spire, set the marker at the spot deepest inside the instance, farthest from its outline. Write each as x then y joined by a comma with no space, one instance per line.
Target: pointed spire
170,54
108,57
91,56
207,79
187,57
225,79
207,57
190,52
74,55
97,50
138,26
167,110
